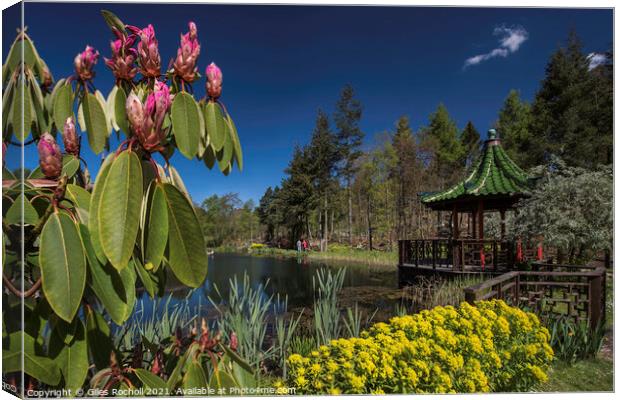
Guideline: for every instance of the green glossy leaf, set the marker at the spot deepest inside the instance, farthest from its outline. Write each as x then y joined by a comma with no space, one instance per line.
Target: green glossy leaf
236,143
120,115
14,213
185,124
113,21
98,335
156,227
93,219
236,358
109,108
226,154
102,103
119,209
96,122
222,380
149,379
203,141
63,104
209,157
22,103
186,245
216,126
80,199
70,165
176,180
72,358
195,376
39,367
116,295
63,265
145,277
39,117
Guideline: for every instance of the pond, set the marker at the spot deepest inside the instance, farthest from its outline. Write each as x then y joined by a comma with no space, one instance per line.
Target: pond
289,277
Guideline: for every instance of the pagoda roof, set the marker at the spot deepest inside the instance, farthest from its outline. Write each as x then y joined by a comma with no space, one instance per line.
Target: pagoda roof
494,177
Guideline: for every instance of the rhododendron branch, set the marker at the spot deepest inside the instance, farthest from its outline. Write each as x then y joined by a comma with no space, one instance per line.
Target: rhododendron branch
33,289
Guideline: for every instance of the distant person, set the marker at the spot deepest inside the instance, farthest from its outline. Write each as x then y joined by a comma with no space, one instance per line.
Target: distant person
305,245
298,246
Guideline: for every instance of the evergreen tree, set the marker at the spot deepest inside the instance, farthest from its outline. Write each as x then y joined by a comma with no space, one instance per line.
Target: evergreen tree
603,76
350,136
513,127
565,111
296,193
405,173
323,153
470,142
441,141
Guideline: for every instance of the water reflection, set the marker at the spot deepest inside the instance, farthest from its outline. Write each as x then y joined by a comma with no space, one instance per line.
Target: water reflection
285,276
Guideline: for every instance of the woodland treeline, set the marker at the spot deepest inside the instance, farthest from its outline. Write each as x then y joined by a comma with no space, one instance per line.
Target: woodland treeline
337,190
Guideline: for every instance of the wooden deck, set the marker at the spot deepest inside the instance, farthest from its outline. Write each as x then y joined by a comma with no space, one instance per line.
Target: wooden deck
408,273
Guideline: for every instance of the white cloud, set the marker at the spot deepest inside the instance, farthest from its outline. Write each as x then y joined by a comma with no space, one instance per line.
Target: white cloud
596,59
510,41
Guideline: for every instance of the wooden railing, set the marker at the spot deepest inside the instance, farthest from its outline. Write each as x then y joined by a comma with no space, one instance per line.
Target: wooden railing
576,291
457,254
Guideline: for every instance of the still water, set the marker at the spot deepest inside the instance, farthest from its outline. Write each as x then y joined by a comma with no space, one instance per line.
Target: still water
289,277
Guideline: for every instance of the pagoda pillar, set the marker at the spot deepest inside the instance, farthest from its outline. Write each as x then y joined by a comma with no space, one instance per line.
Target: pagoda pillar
480,219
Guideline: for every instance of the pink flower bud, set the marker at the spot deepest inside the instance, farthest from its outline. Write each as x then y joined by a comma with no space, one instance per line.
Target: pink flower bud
214,81
135,113
187,55
147,120
123,58
148,52
70,138
85,62
50,158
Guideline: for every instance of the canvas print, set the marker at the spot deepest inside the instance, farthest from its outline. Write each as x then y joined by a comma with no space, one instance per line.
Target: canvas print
220,199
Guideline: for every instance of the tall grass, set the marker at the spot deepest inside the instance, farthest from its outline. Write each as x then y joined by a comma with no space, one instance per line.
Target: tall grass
326,312
285,331
158,323
245,314
574,341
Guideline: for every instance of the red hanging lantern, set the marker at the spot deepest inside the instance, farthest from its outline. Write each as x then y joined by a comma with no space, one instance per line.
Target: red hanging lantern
539,254
482,258
519,251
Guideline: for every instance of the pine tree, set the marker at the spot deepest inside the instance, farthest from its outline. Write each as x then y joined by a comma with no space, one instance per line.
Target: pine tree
513,127
349,135
405,173
441,141
296,193
470,142
565,109
323,152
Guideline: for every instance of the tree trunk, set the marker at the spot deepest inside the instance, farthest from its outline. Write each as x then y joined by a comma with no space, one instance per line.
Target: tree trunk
369,225
324,235
350,201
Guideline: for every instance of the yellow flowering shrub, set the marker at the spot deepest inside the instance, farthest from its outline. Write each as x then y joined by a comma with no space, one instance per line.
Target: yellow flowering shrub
489,347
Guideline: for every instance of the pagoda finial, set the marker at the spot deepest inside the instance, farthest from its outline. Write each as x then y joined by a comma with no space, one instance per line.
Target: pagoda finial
492,134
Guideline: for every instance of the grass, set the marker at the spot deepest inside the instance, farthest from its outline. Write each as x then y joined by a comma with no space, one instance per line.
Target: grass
335,253
593,375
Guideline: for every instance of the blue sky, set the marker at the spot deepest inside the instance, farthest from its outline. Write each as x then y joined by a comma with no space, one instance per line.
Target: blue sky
282,63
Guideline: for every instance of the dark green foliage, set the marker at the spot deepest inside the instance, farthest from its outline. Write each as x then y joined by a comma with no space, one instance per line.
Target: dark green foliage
572,110
470,141
513,127
574,341
441,140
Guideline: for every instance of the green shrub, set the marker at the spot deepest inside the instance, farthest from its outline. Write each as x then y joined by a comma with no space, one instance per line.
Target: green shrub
482,348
